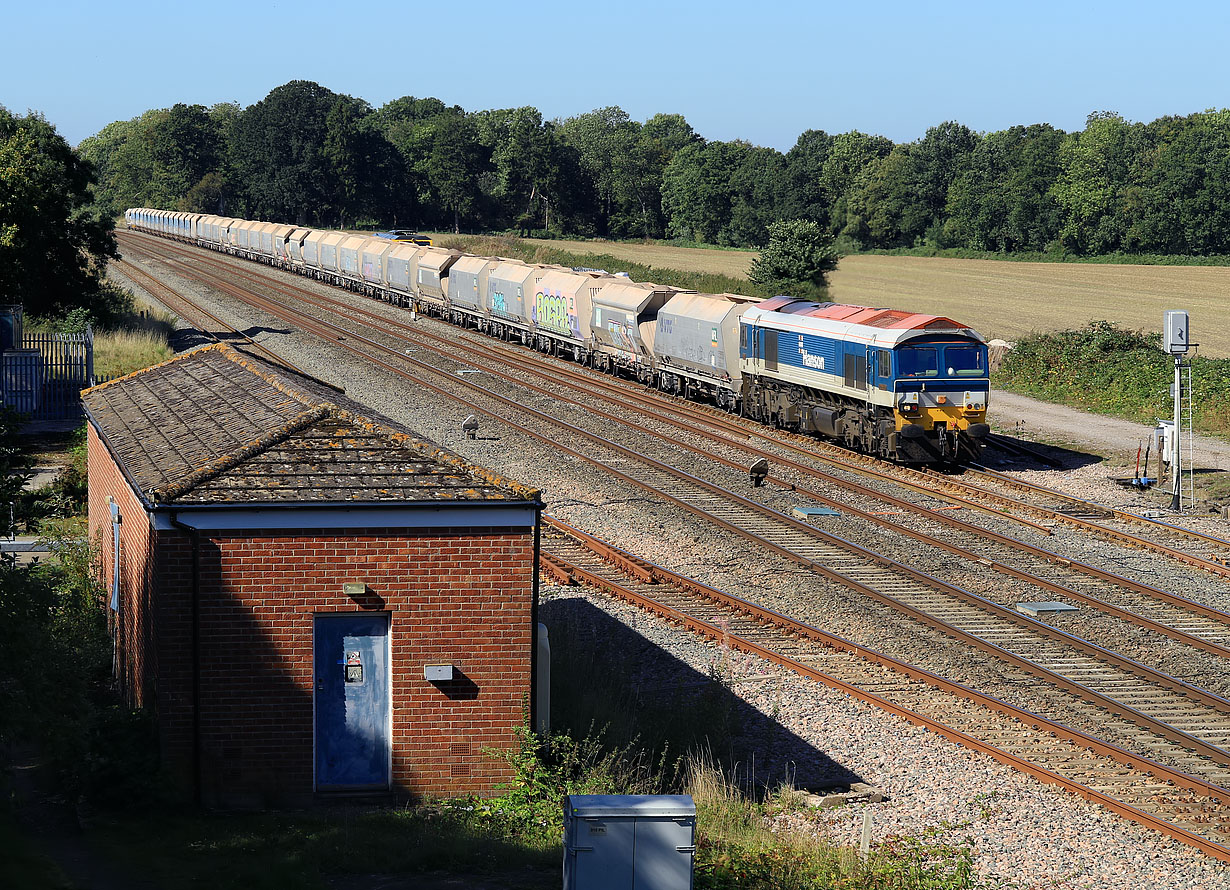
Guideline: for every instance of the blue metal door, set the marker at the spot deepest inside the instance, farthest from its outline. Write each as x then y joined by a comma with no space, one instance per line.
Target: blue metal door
352,701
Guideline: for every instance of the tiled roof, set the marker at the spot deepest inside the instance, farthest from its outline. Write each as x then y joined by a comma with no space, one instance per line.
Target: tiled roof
216,426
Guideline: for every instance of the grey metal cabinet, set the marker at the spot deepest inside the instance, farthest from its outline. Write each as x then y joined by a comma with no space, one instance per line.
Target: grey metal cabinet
629,842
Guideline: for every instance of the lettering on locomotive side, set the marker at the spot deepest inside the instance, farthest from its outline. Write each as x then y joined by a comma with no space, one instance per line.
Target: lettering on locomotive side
809,360
551,312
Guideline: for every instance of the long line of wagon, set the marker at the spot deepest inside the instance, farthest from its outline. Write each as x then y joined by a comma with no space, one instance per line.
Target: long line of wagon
906,386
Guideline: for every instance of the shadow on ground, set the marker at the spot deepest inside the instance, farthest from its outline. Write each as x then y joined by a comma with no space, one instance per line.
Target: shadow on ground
607,674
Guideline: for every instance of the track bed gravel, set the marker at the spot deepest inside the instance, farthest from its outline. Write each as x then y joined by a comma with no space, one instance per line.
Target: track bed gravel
1025,833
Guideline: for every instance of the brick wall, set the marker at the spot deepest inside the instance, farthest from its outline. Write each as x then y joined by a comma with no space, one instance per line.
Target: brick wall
131,626
459,596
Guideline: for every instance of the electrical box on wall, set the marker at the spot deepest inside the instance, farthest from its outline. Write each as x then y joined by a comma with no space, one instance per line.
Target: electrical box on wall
437,673
1176,337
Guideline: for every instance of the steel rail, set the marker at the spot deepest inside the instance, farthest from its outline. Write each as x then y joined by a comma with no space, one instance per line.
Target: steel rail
867,464
569,572
155,287
331,331
864,464
987,534
1125,515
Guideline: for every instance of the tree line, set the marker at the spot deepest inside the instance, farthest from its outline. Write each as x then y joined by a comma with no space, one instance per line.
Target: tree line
311,156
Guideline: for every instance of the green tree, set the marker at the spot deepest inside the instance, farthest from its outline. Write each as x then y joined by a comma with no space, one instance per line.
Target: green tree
1094,177
759,185
1002,200
54,244
1178,200
185,147
808,198
850,162
536,176
884,208
696,192
605,140
453,165
105,150
724,192
938,158
343,154
278,152
797,260
639,188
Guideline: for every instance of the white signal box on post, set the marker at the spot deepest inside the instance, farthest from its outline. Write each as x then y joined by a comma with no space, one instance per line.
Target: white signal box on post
1175,338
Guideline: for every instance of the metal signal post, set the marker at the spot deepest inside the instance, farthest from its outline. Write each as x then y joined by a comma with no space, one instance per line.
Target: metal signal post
1176,341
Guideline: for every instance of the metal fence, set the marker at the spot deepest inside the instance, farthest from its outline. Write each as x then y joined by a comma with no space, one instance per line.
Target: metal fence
44,378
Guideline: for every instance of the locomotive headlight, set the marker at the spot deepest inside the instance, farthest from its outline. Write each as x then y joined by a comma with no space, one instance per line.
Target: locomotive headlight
909,402
973,402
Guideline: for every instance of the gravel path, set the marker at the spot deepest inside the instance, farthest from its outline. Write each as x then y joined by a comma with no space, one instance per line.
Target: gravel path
1102,435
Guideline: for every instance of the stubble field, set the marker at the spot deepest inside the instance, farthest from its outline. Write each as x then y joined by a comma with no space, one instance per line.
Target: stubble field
998,299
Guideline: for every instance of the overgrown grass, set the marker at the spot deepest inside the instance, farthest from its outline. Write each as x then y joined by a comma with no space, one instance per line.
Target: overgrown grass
1109,370
515,248
736,849
129,336
121,352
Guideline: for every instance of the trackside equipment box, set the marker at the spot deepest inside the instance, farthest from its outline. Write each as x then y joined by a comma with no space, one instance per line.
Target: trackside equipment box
629,841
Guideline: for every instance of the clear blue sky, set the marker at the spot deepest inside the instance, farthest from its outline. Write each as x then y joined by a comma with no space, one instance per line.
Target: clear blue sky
760,71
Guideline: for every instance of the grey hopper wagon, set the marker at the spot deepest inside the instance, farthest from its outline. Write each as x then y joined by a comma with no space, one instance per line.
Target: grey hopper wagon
505,299
465,287
349,264
295,243
624,322
697,344
431,268
372,259
399,265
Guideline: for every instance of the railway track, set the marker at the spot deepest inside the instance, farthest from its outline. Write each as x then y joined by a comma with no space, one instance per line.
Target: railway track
1207,717
1048,505
186,309
1148,698
1179,618
1145,791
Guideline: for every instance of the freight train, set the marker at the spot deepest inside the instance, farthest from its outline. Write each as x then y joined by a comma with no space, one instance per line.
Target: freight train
903,386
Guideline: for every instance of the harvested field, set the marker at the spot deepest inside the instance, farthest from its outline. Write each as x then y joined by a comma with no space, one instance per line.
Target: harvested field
999,299
1005,299
665,256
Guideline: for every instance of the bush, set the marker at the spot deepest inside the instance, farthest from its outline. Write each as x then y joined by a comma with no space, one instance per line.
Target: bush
797,260
1110,370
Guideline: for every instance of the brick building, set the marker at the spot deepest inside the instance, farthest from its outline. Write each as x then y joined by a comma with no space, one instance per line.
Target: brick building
310,600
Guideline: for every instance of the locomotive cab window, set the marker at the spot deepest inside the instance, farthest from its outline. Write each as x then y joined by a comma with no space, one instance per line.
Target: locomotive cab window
884,362
918,361
964,361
